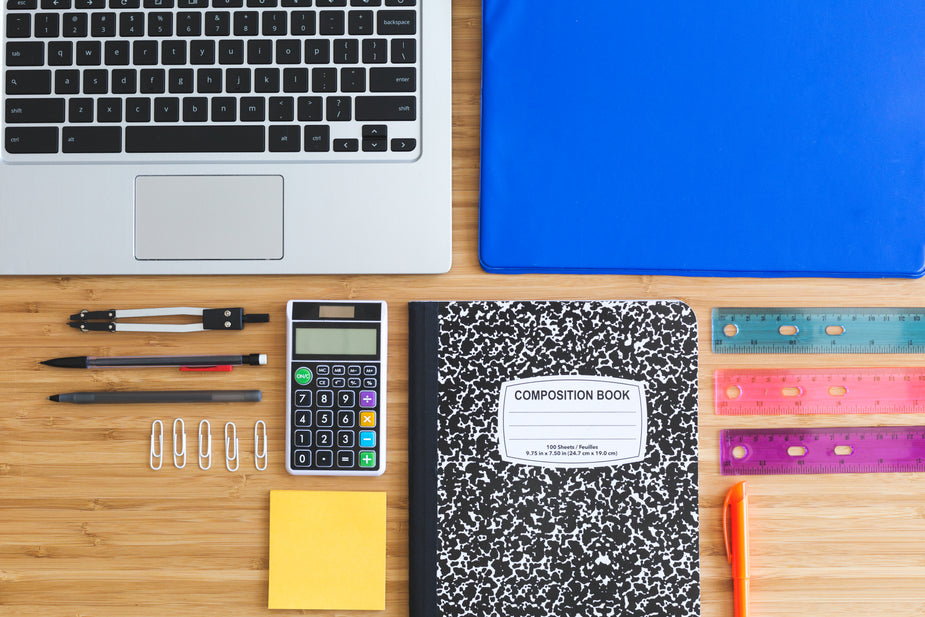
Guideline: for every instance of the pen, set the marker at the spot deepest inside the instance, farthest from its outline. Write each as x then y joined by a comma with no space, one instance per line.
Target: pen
253,359
735,535
161,396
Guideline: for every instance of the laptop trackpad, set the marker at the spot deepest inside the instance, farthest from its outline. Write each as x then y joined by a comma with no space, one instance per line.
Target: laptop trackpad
208,217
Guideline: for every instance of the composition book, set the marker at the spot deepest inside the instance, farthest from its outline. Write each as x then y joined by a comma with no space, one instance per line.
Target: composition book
553,459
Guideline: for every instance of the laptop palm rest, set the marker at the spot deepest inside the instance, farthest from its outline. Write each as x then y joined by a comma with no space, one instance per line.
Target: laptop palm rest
208,217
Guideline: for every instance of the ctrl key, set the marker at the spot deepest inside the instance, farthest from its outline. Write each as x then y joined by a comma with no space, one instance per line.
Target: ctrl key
31,140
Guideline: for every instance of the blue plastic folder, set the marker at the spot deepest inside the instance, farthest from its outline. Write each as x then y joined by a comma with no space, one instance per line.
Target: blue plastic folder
757,138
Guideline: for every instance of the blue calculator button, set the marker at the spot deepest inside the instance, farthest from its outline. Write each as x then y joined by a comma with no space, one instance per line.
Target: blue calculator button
367,439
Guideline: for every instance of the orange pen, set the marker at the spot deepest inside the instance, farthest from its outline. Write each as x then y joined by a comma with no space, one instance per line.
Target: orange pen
735,535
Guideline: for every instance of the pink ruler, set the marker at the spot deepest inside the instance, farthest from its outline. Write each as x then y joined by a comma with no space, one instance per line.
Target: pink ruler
782,392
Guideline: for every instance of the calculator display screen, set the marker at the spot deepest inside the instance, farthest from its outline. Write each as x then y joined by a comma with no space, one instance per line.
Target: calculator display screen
335,341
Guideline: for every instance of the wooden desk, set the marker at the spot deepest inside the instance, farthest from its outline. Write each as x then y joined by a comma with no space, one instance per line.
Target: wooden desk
86,528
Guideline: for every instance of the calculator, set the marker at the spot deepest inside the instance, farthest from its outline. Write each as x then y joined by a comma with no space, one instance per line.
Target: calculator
335,418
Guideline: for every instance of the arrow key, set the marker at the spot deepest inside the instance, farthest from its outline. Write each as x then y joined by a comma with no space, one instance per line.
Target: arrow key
374,144
404,145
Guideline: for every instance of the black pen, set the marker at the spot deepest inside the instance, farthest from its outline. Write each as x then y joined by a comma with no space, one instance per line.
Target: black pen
160,396
253,359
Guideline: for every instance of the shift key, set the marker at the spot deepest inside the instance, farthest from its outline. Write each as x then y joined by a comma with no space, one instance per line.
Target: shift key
383,108
34,111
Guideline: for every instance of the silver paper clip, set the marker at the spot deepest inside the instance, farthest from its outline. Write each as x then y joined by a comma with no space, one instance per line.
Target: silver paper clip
158,452
211,319
205,454
231,442
181,451
260,456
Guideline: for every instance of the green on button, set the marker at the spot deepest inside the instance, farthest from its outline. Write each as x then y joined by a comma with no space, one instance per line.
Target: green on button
303,375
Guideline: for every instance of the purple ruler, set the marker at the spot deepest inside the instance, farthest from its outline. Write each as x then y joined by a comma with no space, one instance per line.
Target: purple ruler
876,449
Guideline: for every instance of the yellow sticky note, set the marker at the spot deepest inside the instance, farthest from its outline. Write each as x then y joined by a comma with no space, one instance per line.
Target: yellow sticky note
327,550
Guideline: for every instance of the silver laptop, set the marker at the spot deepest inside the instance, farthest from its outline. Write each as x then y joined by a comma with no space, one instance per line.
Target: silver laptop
226,136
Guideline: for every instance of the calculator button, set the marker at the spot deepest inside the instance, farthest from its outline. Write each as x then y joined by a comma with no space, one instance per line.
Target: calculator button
302,398
353,382
324,458
323,369
303,418
303,375
367,439
353,369
367,398
346,398
302,458
345,439
303,439
370,370
324,439
324,418
345,458
367,459
325,398
323,382
339,382
370,382
345,418
368,419
338,369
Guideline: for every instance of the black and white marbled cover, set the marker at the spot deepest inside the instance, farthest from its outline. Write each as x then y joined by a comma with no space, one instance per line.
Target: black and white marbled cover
517,540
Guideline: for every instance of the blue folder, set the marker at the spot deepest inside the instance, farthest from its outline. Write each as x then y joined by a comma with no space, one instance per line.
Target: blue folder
756,138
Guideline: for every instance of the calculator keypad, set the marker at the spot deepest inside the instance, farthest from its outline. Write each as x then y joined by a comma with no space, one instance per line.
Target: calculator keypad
335,425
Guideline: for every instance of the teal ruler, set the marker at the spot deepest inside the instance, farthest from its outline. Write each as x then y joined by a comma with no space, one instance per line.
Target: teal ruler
819,330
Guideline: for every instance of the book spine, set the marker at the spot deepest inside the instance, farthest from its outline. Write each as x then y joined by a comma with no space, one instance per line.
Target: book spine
423,338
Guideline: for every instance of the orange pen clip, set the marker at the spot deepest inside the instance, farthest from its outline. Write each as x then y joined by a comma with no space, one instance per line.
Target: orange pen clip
735,537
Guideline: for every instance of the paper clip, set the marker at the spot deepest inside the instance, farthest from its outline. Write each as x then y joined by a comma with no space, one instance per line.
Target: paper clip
260,455
157,453
231,455
182,450
208,449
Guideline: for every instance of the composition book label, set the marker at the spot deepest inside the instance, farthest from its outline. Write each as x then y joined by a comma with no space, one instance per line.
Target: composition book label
572,421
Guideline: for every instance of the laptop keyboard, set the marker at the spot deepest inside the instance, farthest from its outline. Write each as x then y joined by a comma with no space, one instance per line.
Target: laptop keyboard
328,80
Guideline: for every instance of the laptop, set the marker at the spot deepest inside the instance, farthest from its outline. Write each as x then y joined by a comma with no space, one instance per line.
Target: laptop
225,137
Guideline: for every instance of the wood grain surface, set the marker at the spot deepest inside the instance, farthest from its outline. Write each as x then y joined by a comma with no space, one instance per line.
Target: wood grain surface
86,528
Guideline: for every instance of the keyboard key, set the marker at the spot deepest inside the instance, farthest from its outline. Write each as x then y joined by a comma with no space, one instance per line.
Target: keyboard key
285,138
116,53
375,51
331,2
288,52
259,52
224,109
18,26
109,110
153,81
353,80
377,131
397,22
399,79
193,4
158,4
310,109
281,109
67,81
218,24
189,23
213,138
195,109
231,52
160,24
75,24
202,52
252,109
166,109
124,81
34,111
346,145
386,108
360,23
90,4
31,140
144,52
245,23
21,5
131,24
302,23
60,53
262,4
274,22
404,145
80,110
238,80
375,144
209,81
317,138
346,51
89,53
102,24
324,80
400,2
25,54
46,25
94,139
28,82
137,110
295,80
173,52
124,4
317,52
404,51
338,108
180,81
330,22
